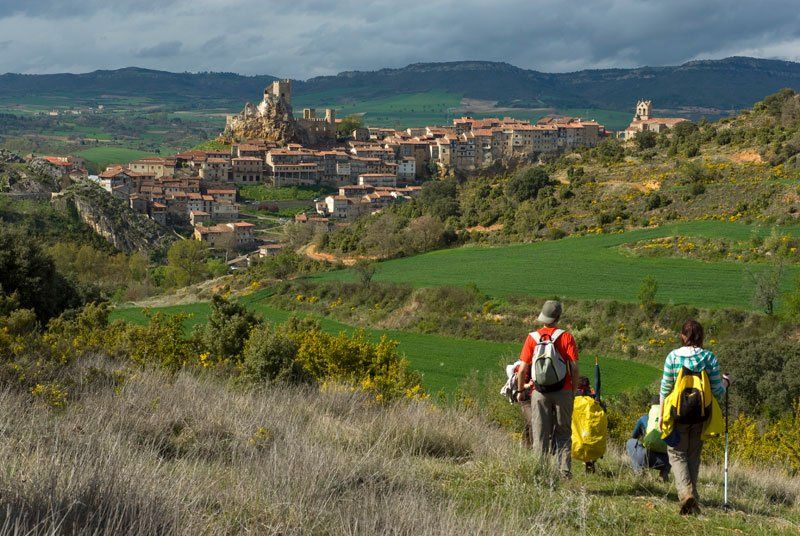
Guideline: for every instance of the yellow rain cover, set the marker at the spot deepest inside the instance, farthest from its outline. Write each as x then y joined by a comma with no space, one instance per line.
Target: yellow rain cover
589,429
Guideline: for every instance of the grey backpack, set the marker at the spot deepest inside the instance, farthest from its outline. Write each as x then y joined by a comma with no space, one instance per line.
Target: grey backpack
549,369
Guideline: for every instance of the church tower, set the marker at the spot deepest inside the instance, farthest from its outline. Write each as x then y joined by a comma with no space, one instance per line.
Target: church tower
643,110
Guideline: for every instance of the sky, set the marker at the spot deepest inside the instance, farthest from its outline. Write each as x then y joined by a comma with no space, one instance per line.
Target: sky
306,38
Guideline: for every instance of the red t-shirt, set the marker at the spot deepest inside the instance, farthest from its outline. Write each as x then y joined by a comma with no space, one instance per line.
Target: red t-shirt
565,344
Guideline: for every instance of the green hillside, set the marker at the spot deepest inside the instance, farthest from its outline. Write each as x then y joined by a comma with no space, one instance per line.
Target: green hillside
443,361
103,156
587,267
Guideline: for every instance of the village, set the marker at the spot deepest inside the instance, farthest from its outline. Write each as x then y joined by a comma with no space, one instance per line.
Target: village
198,190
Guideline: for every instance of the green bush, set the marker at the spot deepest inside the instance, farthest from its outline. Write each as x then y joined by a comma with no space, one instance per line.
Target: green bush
271,356
227,329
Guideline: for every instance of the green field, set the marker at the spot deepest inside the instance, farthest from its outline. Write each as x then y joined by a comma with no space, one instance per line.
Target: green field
262,192
587,267
103,156
443,361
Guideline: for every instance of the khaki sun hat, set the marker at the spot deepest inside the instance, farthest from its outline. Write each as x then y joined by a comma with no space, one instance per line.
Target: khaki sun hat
551,312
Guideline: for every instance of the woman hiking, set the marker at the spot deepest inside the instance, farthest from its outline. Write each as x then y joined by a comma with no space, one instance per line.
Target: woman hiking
691,377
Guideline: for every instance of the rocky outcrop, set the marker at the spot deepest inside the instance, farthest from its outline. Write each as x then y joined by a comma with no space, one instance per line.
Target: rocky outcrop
36,178
272,122
112,219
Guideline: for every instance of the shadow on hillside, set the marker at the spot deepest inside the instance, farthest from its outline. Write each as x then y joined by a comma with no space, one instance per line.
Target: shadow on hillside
646,489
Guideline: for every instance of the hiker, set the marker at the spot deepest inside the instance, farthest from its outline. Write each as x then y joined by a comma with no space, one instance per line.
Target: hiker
645,447
510,391
550,357
691,392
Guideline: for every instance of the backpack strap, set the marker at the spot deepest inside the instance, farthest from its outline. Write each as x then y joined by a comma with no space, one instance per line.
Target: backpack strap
556,334
536,336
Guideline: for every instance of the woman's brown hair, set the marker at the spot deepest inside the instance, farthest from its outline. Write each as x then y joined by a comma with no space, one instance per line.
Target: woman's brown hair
692,333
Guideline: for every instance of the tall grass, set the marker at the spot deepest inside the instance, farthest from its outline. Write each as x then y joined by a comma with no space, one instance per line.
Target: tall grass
185,454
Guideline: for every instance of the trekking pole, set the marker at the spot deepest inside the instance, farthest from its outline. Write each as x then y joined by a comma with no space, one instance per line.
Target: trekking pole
725,504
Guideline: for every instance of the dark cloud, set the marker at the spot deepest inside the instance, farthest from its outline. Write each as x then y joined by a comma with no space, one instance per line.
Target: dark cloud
313,37
164,49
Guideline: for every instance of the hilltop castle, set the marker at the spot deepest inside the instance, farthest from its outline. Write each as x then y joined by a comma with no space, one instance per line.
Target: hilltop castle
273,120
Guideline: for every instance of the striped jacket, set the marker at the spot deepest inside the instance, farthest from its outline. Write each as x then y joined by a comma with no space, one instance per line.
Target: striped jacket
694,359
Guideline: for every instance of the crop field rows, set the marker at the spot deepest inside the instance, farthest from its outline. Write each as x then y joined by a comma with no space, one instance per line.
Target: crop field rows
588,267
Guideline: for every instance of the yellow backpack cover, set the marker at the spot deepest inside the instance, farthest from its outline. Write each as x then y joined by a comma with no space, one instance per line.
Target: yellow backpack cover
712,426
589,429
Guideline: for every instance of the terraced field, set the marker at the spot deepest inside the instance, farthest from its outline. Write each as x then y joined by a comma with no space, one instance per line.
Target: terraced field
443,361
588,267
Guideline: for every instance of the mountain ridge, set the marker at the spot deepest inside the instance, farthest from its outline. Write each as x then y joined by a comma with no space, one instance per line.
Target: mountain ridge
726,84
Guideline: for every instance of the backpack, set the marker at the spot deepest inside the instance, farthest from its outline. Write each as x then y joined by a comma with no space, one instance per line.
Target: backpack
693,404
510,390
652,436
589,429
548,368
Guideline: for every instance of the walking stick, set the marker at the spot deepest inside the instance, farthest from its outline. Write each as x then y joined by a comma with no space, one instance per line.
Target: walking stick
725,504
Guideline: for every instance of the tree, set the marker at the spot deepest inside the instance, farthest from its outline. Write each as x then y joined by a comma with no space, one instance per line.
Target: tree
425,233
610,151
186,263
765,372
29,274
766,287
270,356
228,328
526,183
365,271
439,198
645,139
137,266
349,124
647,295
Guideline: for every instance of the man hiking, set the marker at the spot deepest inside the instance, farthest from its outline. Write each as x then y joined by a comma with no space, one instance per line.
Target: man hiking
691,391
550,358
645,447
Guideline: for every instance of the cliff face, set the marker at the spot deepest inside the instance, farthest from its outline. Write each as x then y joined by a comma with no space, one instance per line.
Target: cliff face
36,178
112,219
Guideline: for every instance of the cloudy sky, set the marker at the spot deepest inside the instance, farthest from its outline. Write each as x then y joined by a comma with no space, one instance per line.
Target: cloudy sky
304,38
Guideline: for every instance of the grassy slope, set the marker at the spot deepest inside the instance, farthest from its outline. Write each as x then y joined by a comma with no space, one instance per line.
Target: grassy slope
104,156
585,267
443,361
183,454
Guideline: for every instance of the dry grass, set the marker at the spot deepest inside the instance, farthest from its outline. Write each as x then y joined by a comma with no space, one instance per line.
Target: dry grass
189,455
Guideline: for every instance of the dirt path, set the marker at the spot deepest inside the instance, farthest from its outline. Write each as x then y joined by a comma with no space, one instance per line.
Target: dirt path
311,252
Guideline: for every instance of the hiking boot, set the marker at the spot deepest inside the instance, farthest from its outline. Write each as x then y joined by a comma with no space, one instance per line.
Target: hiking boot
664,474
689,507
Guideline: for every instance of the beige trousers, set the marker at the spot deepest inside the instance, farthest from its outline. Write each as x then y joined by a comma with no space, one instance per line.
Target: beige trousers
551,426
685,459
527,440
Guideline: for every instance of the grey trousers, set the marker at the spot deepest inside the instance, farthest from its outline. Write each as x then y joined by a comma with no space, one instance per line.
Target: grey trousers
551,426
685,459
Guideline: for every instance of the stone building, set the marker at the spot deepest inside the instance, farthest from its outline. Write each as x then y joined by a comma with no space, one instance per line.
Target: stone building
643,121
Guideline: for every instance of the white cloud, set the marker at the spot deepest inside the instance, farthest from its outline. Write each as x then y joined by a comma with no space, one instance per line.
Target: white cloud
315,37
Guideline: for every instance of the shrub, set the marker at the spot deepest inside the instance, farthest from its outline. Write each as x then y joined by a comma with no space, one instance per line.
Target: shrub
647,295
271,356
765,372
526,183
227,329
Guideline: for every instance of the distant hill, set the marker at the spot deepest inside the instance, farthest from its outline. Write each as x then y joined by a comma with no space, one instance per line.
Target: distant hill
726,84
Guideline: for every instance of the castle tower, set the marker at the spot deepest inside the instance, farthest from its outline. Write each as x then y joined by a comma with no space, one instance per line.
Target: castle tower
643,110
309,113
330,115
